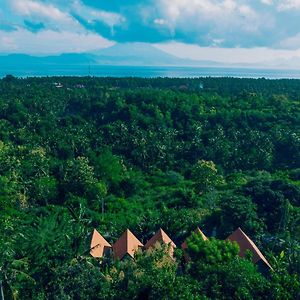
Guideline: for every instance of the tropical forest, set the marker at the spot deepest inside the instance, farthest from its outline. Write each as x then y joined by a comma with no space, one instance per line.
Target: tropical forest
196,160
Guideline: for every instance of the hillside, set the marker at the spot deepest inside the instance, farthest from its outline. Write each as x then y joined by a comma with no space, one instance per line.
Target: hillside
139,54
135,155
132,54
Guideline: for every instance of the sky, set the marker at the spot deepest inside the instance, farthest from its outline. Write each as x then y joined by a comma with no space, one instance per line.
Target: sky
221,30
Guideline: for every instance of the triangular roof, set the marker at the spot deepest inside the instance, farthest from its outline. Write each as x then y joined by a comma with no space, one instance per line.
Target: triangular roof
160,237
98,244
126,244
197,231
245,243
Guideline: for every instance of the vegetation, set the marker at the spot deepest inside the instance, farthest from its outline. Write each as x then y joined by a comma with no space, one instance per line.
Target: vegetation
111,154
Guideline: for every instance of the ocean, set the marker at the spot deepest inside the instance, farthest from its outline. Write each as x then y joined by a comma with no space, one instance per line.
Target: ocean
146,72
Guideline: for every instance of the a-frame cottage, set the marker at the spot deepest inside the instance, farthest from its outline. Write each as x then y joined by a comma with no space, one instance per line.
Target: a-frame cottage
100,247
245,243
126,245
161,237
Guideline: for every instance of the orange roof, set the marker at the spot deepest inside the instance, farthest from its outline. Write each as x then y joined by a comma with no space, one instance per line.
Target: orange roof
98,244
126,244
197,231
160,237
245,244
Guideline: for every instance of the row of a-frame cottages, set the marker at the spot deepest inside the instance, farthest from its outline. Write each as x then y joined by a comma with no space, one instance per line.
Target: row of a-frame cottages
128,244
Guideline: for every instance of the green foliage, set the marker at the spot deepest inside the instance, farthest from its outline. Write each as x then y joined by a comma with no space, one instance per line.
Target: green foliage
205,176
14,270
78,278
272,199
148,153
238,279
44,190
284,284
109,167
223,275
211,252
237,210
79,176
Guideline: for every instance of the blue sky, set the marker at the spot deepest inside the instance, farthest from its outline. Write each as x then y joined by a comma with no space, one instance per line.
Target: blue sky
224,30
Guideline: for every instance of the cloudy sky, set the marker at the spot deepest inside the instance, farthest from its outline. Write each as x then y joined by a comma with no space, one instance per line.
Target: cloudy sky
223,30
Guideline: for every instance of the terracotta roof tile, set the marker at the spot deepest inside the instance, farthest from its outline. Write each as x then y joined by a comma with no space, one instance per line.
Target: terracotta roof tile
160,237
126,244
99,245
245,243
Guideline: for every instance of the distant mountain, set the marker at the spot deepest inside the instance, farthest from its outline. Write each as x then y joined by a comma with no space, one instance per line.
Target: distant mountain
140,54
131,54
63,59
127,54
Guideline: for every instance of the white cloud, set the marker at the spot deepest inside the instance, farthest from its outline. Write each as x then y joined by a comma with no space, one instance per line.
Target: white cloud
208,18
93,15
160,22
228,55
47,13
291,42
7,43
50,42
288,5
217,23
28,7
205,8
267,2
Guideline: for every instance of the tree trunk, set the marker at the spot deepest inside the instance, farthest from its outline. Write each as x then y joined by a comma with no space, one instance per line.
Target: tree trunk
1,291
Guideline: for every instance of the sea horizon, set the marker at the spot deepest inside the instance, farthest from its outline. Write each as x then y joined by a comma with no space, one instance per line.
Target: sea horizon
148,71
